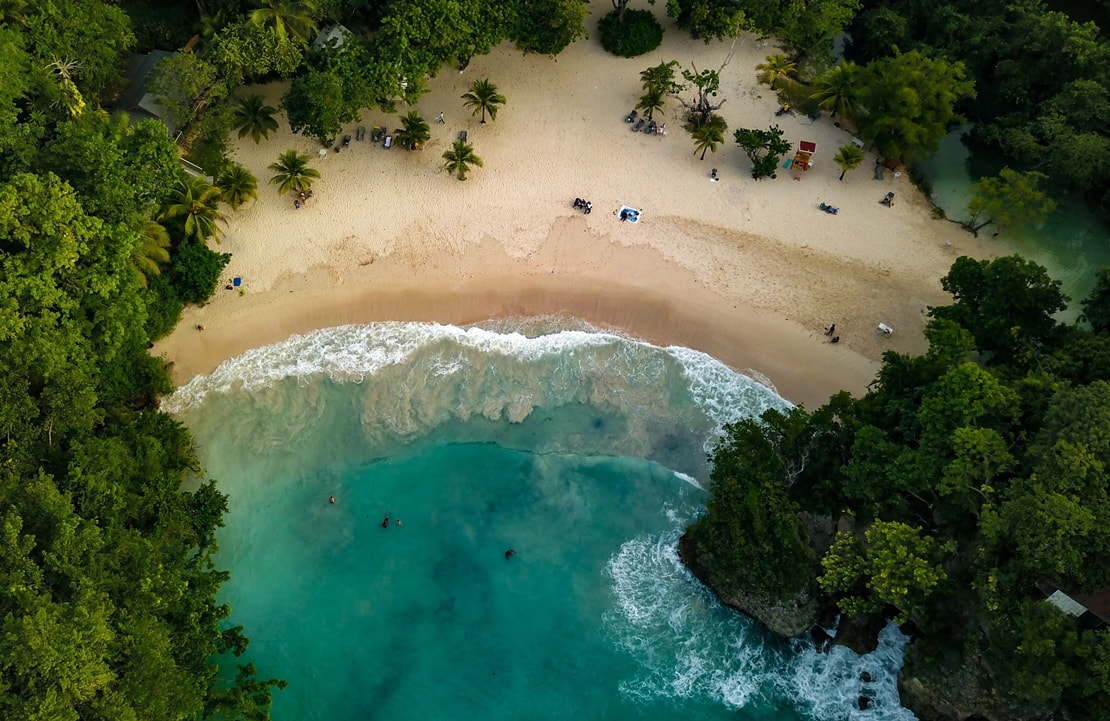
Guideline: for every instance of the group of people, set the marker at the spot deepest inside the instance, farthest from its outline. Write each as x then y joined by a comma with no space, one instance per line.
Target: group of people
584,205
829,331
302,200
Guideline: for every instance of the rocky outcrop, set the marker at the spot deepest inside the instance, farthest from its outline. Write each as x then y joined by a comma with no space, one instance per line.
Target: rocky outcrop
960,694
789,617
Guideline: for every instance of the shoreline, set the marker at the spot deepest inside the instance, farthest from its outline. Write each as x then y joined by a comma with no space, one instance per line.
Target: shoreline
749,272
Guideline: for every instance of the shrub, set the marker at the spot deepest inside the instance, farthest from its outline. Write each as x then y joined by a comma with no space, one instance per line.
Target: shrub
196,271
637,34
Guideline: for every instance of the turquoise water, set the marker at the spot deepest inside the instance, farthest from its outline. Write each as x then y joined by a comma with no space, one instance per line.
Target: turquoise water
1072,244
581,451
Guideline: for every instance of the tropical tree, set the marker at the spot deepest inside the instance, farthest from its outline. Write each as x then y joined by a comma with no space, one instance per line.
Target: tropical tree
195,208
414,131
292,173
548,26
255,118
706,83
236,185
911,103
150,251
1011,198
483,97
286,18
709,135
459,159
650,101
838,89
764,148
775,68
72,100
848,158
659,78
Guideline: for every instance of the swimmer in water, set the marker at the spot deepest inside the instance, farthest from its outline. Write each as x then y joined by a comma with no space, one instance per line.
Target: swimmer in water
385,521
331,499
509,554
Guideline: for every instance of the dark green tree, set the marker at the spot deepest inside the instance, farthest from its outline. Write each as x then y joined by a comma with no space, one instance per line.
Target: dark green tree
764,148
1011,198
255,118
911,102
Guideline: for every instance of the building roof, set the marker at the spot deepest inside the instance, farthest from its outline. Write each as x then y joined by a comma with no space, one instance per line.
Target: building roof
135,100
336,32
1077,604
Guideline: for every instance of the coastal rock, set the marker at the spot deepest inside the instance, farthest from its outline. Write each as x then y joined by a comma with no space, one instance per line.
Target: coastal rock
787,617
960,694
860,633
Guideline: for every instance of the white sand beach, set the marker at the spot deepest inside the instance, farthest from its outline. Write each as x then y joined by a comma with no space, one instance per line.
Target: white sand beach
747,271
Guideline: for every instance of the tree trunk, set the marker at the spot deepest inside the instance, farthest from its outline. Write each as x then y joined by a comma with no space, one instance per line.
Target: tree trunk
705,150
842,172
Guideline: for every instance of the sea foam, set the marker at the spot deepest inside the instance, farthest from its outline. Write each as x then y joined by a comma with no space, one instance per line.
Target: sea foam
690,647
415,376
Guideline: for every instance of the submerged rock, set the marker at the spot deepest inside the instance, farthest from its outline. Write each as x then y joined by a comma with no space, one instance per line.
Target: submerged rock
860,633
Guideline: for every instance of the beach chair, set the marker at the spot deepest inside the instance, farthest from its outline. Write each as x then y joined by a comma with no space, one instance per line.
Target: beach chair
376,134
878,171
462,135
885,329
639,125
388,142
651,126
346,141
631,117
360,134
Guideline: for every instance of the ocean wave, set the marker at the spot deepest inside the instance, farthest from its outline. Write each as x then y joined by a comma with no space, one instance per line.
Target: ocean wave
688,646
415,376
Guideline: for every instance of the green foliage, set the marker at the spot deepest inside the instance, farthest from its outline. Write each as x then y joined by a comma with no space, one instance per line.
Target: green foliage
848,158
237,185
1012,198
636,33
414,131
549,26
764,148
93,34
775,68
709,135
1096,306
911,102
196,271
250,52
484,98
706,84
286,19
459,159
318,107
186,85
114,166
293,173
255,118
1006,304
194,209
708,19
838,90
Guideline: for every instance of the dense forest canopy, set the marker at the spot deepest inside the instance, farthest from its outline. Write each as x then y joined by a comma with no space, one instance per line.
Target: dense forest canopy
963,481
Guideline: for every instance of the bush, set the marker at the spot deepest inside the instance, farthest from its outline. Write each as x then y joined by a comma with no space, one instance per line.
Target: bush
164,309
637,34
196,271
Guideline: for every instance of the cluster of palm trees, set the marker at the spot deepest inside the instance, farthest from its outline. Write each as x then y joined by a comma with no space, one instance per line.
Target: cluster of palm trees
834,91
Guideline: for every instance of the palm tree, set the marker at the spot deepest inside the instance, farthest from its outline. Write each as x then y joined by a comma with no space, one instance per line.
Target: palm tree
483,96
837,90
237,185
848,158
71,96
414,130
255,118
709,135
150,251
293,172
459,159
659,78
650,101
285,18
196,207
775,69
